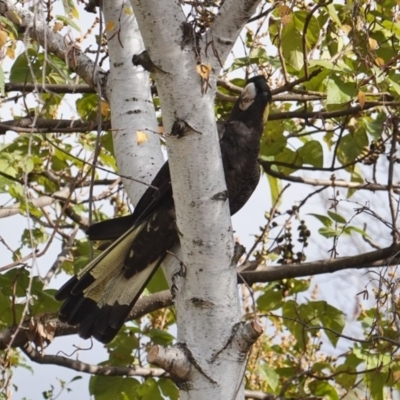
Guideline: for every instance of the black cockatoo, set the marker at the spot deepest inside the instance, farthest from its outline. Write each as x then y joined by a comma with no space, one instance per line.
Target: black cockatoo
99,298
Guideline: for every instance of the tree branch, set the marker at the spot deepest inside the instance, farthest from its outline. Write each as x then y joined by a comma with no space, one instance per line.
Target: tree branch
378,258
55,43
144,306
329,114
320,182
256,395
42,125
47,88
81,366
147,304
227,25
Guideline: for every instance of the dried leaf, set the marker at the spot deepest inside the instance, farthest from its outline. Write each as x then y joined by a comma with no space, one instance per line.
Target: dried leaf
373,44
380,62
3,38
361,98
41,333
204,70
141,137
110,26
286,19
105,108
11,52
58,26
346,29
13,15
283,10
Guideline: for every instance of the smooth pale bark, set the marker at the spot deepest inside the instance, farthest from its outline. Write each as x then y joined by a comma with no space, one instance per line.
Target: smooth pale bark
207,299
55,43
213,344
133,120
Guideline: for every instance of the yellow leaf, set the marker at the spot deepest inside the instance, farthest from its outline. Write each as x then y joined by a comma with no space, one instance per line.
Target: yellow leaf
105,108
141,137
110,26
380,62
13,15
361,98
373,44
204,70
286,19
128,11
11,52
58,26
3,38
346,28
283,10
75,12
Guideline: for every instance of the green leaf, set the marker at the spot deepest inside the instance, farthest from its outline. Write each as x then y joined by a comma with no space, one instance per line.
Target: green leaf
69,22
337,218
121,349
329,232
44,301
346,375
6,316
339,92
350,229
323,389
22,69
290,157
271,299
376,383
333,14
351,146
290,314
292,46
149,390
270,375
70,8
87,106
312,153
15,282
333,319
298,285
323,218
113,387
168,388
158,282
275,187
161,337
273,140
313,28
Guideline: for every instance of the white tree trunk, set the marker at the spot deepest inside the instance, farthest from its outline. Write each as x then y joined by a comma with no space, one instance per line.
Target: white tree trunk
133,120
210,356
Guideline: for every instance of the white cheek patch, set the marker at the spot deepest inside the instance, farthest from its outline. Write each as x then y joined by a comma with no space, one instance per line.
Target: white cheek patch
247,97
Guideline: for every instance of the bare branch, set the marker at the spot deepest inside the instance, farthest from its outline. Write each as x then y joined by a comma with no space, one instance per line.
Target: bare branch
42,125
81,366
39,202
328,114
55,43
379,258
320,182
144,306
256,395
48,88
